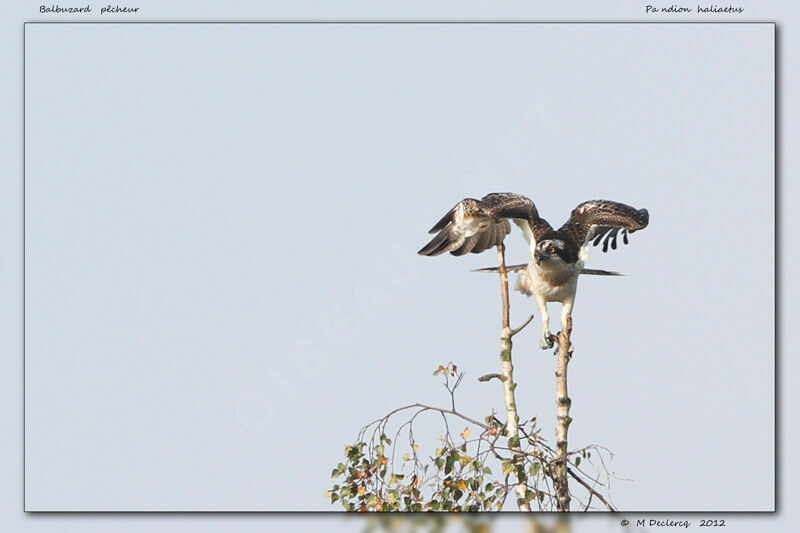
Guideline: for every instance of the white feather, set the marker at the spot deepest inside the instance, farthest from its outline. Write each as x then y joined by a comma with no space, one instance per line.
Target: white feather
525,226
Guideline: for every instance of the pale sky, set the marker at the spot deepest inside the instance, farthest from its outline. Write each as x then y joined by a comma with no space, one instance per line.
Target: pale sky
221,232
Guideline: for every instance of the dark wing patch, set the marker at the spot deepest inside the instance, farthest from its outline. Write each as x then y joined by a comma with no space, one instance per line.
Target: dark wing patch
603,220
473,226
443,222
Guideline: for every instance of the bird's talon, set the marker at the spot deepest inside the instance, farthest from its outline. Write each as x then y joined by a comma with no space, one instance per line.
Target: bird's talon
546,342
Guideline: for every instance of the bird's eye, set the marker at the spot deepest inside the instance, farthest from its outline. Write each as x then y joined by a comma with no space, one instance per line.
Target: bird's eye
552,250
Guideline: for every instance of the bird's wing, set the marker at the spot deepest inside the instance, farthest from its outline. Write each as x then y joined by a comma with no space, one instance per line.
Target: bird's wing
473,226
593,220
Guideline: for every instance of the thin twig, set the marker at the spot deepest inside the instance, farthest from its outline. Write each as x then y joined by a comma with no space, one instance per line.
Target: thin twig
520,328
590,489
427,408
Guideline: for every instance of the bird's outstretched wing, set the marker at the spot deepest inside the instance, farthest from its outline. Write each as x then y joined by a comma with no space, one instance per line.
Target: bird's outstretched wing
595,219
473,226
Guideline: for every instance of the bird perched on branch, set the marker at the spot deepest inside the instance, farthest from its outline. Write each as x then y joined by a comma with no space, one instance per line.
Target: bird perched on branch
556,257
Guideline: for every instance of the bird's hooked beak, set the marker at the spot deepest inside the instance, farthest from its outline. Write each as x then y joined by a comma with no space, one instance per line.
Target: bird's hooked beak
541,256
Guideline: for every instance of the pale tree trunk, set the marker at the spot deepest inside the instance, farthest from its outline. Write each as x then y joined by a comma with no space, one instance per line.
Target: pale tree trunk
512,426
563,402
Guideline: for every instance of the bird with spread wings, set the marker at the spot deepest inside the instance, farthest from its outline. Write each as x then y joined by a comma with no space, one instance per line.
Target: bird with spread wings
556,257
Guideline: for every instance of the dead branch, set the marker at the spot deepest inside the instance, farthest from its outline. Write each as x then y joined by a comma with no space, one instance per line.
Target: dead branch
593,492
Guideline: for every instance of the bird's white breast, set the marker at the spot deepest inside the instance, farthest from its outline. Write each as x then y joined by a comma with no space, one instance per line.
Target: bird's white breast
554,284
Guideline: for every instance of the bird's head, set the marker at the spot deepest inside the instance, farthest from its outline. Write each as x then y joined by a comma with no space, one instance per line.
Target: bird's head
551,252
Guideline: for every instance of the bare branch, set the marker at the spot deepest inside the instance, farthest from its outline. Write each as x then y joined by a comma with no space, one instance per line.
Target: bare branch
563,403
590,489
520,328
512,425
424,408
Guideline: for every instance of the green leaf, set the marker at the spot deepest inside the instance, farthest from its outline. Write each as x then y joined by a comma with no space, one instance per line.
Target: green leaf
352,452
449,464
339,470
508,466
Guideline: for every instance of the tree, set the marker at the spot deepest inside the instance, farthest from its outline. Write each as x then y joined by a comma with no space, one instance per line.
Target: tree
478,468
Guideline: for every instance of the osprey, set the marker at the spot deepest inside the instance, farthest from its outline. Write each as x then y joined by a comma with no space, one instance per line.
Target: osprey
556,257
